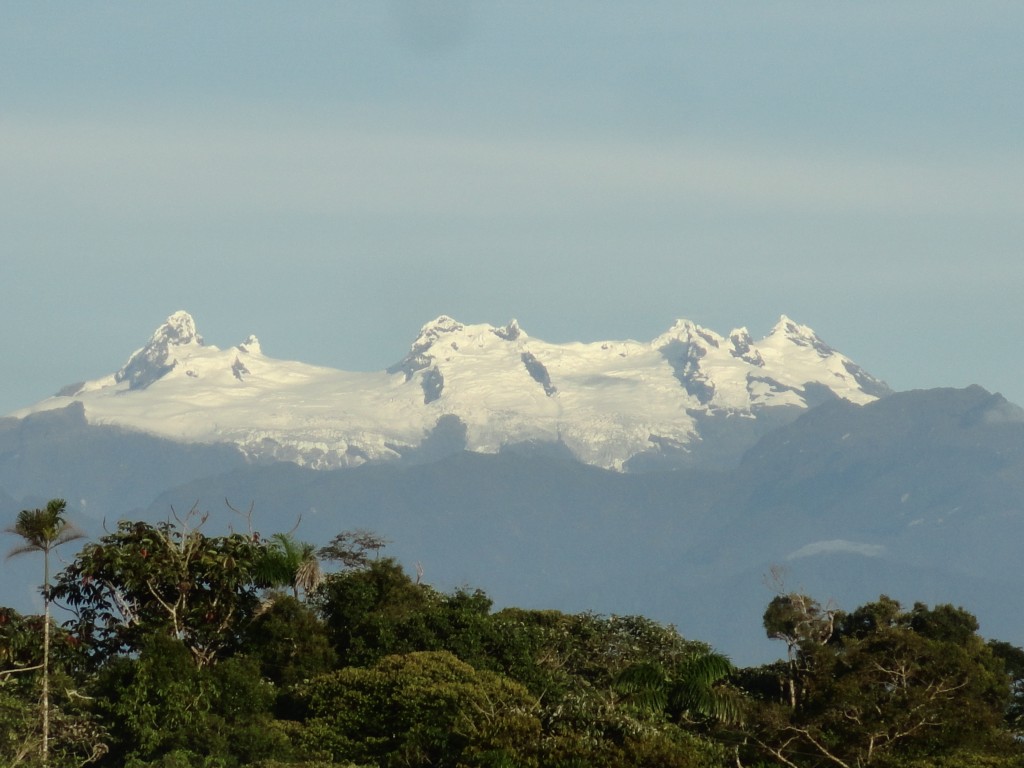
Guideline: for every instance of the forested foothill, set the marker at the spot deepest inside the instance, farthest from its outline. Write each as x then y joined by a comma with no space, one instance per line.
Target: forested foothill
178,648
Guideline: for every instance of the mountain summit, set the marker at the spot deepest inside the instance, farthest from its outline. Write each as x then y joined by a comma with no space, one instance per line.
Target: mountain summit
156,359
689,397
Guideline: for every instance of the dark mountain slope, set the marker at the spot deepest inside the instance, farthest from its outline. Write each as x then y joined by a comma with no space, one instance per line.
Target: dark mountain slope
919,495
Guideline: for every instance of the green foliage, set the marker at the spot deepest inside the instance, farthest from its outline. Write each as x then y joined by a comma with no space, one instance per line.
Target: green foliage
968,759
289,642
353,549
42,530
663,747
1013,663
19,643
75,733
422,709
574,664
156,702
672,748
568,662
240,717
165,578
550,651
379,610
163,708
798,620
179,758
693,689
944,623
180,657
361,607
286,562
19,725
885,686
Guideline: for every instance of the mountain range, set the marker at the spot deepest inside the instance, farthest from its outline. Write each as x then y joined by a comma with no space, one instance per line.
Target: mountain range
688,397
687,479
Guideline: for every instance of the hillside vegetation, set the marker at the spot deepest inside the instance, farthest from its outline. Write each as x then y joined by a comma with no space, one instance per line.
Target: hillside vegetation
181,649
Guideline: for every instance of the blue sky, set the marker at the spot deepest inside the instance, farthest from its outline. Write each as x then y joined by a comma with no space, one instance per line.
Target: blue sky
331,176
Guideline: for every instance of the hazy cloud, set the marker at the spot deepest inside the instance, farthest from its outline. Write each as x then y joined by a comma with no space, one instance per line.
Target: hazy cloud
160,168
837,546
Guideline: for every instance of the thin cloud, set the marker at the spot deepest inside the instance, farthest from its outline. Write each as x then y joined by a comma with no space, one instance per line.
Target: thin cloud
157,168
837,546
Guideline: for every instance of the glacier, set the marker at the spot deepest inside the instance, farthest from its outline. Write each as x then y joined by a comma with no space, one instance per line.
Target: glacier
686,397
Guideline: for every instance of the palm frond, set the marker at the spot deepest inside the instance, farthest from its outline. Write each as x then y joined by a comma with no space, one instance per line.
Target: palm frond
22,549
646,685
289,563
698,689
717,702
68,533
706,668
308,575
43,529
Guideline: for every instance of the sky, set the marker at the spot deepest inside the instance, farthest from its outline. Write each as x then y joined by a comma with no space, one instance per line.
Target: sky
330,176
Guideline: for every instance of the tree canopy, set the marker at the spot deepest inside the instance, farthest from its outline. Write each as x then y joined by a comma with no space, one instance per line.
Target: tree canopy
181,651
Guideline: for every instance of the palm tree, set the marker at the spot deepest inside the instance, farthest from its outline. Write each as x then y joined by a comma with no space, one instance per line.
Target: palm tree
692,688
42,530
290,563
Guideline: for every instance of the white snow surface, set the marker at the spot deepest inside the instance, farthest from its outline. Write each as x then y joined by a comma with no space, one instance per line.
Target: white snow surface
605,401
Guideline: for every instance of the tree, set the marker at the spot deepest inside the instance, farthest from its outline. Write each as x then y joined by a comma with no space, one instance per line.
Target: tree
886,686
804,625
352,548
693,688
374,611
1013,661
164,710
422,709
290,563
290,644
168,578
43,530
21,658
573,663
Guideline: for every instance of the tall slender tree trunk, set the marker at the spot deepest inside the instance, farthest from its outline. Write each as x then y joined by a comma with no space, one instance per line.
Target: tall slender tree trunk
46,659
42,530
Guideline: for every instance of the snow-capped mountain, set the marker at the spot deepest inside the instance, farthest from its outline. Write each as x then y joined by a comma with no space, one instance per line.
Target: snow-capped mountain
613,404
846,493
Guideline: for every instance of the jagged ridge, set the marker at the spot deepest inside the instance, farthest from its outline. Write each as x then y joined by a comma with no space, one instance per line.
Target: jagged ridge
617,404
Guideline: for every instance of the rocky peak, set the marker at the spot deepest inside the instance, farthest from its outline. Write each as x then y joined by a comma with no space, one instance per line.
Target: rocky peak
510,332
418,358
159,357
251,346
800,335
688,332
743,347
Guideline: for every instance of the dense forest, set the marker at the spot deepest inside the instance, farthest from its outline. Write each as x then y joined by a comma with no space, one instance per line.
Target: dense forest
177,648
